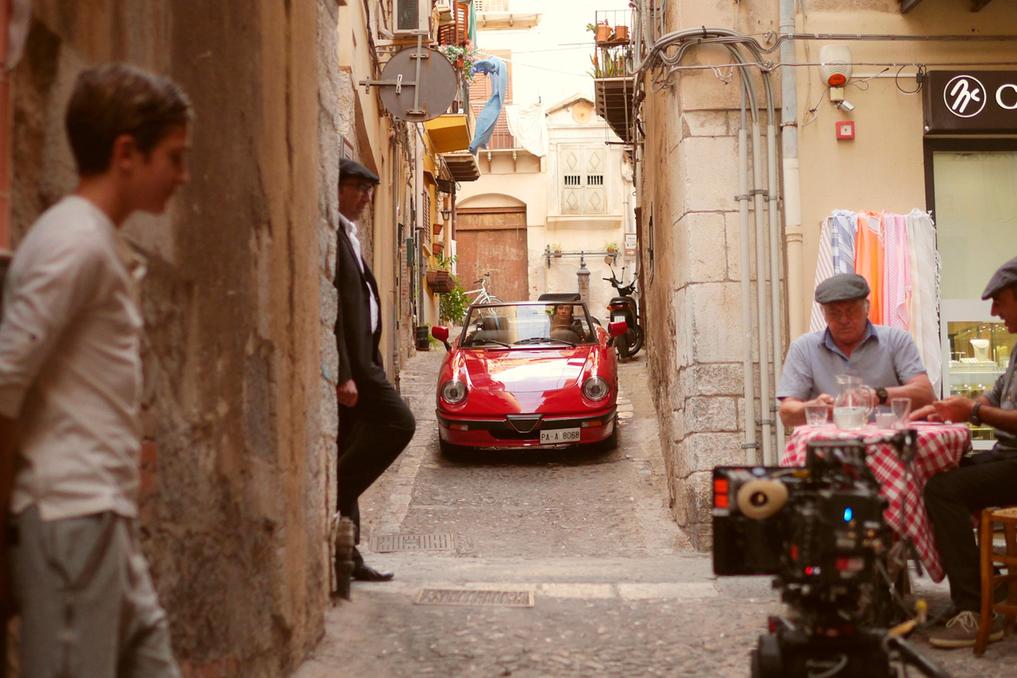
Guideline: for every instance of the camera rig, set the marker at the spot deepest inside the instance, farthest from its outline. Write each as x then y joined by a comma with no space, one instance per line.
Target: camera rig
819,531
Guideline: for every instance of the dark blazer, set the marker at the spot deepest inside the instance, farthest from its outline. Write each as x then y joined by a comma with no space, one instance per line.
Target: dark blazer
359,354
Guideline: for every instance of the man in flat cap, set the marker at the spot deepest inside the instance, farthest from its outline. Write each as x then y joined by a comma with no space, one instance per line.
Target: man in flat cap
886,358
374,422
952,497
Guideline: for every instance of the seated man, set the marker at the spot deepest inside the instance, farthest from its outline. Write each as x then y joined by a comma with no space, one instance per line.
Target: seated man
886,358
952,497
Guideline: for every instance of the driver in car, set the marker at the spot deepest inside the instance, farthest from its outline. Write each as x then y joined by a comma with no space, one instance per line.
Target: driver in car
564,327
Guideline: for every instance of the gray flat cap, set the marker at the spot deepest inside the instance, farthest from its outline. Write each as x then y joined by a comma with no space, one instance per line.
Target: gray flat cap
1004,276
349,169
842,287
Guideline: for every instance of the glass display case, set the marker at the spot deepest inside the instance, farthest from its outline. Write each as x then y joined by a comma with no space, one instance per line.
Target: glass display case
976,353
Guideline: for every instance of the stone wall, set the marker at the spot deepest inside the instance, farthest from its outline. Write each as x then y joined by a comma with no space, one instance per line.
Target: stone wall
688,183
240,416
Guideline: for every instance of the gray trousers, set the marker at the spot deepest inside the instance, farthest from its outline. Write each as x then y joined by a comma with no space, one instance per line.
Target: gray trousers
88,607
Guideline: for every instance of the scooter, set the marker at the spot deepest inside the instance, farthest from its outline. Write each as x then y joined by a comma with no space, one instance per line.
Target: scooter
623,307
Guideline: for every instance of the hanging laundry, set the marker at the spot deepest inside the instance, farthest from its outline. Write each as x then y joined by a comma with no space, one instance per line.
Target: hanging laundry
824,270
528,126
842,236
497,70
897,272
869,260
925,277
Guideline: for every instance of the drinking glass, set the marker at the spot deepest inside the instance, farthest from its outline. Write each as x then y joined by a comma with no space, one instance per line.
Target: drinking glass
885,418
901,408
816,415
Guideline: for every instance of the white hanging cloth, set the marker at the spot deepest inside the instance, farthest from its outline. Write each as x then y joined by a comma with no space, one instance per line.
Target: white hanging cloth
528,126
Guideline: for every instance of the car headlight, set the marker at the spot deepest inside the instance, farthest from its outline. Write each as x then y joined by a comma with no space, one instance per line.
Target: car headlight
596,388
453,392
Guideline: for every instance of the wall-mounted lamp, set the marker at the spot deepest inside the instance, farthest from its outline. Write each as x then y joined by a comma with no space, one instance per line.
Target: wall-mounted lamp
845,105
446,214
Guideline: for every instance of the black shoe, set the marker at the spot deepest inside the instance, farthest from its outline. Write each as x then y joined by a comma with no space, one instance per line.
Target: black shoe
363,572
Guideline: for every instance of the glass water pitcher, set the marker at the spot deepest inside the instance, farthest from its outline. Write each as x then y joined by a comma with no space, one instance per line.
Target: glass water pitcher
853,405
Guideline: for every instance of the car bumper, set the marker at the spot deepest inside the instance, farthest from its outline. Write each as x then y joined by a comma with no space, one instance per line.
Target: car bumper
490,433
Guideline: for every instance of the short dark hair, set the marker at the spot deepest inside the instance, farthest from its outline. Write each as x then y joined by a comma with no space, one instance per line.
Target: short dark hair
115,99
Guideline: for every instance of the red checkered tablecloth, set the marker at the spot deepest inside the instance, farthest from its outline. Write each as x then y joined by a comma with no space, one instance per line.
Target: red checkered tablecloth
939,448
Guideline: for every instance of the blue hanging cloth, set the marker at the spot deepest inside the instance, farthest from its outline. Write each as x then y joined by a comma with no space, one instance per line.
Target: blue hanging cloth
497,70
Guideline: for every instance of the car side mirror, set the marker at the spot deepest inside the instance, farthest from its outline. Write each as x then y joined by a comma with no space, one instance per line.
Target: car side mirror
441,334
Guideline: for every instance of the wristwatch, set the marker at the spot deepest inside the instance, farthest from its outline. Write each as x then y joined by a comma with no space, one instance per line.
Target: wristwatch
975,411
882,395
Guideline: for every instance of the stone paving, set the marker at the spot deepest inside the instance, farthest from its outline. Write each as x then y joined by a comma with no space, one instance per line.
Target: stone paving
617,588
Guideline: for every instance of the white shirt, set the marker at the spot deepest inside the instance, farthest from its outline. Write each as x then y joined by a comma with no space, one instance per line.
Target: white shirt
351,232
70,365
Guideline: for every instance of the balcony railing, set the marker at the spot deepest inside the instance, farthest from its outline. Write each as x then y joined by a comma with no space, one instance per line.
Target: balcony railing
491,5
501,140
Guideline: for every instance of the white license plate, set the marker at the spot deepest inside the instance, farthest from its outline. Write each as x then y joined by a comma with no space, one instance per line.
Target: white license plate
558,436
617,318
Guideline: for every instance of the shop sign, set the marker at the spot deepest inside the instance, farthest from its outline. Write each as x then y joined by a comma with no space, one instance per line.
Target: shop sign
971,101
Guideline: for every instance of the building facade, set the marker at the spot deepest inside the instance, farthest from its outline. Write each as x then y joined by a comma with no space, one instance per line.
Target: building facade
746,144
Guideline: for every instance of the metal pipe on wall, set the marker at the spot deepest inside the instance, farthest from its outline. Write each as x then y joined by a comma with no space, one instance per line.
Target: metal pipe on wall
746,284
793,236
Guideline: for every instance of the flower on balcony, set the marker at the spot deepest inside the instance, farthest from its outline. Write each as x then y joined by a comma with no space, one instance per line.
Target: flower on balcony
462,59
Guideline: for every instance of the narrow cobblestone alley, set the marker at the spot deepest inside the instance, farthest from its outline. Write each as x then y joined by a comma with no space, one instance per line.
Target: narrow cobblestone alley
617,589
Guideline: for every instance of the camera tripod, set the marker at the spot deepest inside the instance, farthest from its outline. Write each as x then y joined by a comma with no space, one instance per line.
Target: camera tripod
791,652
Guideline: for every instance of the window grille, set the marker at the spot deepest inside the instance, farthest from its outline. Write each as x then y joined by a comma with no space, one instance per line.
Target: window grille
573,180
595,180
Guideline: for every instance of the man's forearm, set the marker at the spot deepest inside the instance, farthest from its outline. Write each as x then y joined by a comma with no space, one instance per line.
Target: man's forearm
792,412
997,417
920,393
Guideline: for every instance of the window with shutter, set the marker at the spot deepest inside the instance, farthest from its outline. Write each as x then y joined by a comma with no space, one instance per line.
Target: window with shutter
480,92
582,180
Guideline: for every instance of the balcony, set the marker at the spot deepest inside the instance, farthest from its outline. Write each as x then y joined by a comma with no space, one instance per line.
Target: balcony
497,15
612,57
453,23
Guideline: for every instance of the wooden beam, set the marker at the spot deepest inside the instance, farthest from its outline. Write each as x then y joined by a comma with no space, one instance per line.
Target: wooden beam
977,5
908,5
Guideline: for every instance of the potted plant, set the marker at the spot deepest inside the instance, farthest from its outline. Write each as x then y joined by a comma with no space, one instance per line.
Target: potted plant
621,33
555,249
601,31
461,58
436,228
611,248
437,247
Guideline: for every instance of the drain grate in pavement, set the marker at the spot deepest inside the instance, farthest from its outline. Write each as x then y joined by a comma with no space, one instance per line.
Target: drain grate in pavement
475,597
387,543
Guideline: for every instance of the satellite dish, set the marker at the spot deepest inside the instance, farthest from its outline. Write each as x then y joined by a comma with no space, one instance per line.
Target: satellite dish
417,84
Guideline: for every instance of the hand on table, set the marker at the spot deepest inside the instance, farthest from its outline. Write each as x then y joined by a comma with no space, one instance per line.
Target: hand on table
822,399
950,410
346,393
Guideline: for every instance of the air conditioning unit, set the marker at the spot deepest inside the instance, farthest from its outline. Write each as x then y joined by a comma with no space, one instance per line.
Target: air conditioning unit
411,17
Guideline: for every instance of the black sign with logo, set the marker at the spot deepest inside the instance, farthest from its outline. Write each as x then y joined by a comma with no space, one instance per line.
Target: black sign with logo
971,101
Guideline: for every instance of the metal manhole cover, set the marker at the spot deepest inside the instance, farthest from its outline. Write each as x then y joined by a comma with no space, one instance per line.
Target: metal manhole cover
387,543
475,597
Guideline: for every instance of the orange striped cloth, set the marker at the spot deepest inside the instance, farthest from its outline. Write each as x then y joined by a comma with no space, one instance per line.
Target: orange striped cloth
869,260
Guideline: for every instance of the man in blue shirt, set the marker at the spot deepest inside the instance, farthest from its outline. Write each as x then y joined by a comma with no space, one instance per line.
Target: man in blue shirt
886,358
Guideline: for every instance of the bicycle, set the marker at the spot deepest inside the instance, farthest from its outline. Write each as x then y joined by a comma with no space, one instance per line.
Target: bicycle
483,296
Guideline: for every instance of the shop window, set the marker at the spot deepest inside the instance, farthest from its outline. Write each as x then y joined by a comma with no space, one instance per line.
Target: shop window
970,191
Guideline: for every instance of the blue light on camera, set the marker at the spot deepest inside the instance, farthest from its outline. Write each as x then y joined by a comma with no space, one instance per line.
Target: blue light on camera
848,514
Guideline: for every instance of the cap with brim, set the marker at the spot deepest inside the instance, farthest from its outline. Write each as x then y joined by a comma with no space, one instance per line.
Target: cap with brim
349,169
842,287
1004,276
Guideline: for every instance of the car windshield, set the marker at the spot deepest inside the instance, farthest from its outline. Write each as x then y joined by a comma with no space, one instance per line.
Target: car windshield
513,325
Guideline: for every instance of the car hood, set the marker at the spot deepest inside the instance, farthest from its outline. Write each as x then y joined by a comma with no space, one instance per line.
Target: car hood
535,370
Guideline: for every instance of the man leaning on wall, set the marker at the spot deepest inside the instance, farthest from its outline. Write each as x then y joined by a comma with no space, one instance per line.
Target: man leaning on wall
70,390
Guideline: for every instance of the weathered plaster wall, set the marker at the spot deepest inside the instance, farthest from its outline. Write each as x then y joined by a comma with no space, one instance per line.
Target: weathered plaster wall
235,466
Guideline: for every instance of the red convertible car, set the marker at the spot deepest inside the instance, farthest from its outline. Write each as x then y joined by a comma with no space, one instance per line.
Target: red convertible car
532,374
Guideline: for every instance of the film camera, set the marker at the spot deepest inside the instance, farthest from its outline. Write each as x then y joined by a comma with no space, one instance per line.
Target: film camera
819,531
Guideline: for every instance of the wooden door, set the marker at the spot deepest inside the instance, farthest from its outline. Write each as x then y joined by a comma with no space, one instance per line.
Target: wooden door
493,239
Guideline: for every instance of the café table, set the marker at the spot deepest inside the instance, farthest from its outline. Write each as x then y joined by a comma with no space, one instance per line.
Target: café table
939,448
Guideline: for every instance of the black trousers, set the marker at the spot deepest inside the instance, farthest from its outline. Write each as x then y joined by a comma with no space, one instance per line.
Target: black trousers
950,499
371,436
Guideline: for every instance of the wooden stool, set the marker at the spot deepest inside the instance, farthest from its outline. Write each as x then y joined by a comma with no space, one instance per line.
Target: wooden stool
1007,519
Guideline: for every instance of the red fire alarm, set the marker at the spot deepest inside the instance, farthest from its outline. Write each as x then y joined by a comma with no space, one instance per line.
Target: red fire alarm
846,130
